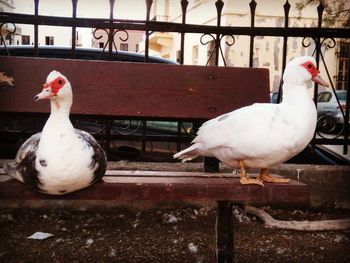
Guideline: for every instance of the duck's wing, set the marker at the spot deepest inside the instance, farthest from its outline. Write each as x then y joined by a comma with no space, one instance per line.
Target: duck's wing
98,157
237,129
23,168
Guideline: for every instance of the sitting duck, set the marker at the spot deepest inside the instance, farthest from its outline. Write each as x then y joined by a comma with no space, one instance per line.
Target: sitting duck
60,159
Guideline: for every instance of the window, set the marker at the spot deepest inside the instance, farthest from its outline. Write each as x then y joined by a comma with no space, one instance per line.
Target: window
324,97
25,40
341,95
101,44
49,41
137,48
124,47
343,63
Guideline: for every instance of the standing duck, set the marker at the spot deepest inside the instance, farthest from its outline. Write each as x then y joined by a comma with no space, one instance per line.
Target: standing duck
60,159
263,134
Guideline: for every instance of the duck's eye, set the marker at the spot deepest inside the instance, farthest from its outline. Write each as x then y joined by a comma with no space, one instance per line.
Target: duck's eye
309,66
60,82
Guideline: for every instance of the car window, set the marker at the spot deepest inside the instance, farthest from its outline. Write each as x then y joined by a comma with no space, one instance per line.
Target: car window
324,97
341,95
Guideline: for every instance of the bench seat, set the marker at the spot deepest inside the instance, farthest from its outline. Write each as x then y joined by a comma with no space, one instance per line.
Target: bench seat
169,186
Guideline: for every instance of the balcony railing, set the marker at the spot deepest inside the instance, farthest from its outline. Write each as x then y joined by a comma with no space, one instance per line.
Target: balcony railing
316,36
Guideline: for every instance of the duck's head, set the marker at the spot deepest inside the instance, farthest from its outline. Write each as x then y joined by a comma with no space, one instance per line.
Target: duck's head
302,69
56,88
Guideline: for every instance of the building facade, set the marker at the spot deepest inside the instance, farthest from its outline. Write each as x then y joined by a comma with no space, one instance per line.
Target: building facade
267,50
198,48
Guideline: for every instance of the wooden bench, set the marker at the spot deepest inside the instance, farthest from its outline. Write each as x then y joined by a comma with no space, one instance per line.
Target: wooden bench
157,92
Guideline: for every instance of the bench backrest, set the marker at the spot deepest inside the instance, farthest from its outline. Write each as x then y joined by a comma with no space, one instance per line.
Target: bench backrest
122,89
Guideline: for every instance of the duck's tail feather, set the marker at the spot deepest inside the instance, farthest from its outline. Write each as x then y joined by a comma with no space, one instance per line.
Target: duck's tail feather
11,170
187,154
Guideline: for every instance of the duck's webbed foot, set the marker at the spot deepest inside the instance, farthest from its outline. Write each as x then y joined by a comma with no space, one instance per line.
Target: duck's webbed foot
245,179
266,177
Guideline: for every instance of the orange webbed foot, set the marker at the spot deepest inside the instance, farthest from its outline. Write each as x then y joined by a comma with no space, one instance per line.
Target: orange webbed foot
266,177
245,179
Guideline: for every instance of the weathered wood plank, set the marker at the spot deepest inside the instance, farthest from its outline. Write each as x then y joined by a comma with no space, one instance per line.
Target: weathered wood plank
162,187
167,174
135,89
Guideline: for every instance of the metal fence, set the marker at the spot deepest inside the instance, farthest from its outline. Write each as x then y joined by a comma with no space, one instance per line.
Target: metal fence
114,27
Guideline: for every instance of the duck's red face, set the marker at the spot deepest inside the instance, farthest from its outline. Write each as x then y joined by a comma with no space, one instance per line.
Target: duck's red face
311,68
51,89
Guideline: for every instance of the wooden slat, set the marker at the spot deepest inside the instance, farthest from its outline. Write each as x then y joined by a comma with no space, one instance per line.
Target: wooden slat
162,187
135,89
167,174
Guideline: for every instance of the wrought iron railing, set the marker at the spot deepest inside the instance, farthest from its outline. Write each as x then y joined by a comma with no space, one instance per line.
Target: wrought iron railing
114,27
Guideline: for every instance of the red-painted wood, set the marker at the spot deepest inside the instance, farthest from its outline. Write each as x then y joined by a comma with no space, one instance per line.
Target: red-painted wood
135,89
169,186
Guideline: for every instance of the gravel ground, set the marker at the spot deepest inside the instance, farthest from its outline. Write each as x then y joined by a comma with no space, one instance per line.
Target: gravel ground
162,235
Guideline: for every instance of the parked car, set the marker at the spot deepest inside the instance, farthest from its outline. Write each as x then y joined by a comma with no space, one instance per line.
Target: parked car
330,116
81,53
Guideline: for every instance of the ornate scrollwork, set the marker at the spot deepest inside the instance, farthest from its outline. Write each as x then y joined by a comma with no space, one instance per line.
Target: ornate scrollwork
111,35
307,44
233,40
207,42
328,128
126,127
329,42
213,38
92,126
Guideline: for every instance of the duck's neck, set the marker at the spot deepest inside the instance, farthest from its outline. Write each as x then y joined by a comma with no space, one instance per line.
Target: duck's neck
57,126
295,94
60,109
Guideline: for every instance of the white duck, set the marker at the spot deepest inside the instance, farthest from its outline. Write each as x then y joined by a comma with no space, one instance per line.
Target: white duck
263,134
60,159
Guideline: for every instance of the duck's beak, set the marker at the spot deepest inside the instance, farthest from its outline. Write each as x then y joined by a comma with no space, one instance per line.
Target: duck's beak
319,80
44,94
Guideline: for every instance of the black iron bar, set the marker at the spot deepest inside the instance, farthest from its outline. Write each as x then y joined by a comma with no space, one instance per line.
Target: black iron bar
286,8
174,27
252,5
184,4
219,5
317,52
36,30
346,120
111,28
74,28
147,28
